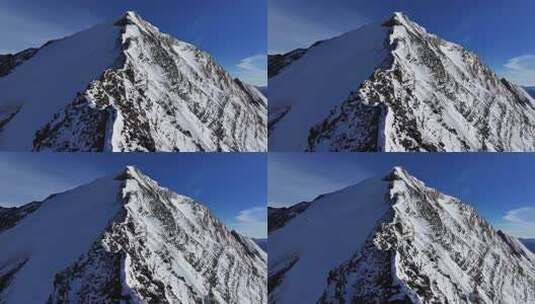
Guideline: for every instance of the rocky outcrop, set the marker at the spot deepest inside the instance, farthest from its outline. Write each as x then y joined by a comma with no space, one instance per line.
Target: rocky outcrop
9,217
10,61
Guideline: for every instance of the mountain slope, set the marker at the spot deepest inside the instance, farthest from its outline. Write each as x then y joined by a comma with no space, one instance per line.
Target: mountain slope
126,238
394,240
424,94
125,86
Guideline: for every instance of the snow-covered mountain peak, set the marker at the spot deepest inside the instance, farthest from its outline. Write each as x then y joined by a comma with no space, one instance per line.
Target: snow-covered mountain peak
124,238
392,86
125,86
395,240
132,15
131,172
402,175
399,171
397,18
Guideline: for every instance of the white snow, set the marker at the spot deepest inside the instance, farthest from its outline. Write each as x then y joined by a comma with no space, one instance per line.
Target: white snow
323,78
55,236
47,82
328,233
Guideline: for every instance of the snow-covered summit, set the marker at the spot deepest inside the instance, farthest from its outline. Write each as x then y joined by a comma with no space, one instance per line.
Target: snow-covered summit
123,238
392,86
125,86
395,240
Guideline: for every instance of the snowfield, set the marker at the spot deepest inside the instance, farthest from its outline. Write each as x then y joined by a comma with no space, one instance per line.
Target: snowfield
395,240
125,86
126,239
393,86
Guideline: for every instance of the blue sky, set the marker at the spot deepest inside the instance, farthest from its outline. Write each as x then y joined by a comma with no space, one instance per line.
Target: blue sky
499,185
234,32
232,185
500,31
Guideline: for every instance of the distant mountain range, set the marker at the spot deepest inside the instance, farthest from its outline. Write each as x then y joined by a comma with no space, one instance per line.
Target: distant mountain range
125,86
393,240
529,243
531,91
262,243
392,86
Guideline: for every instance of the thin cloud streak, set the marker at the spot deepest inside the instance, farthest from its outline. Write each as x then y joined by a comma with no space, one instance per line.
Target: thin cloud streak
519,222
520,69
252,70
251,222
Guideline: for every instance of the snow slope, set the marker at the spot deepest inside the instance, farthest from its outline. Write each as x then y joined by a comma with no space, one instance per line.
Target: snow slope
126,239
422,94
125,86
48,81
43,245
322,77
394,240
317,245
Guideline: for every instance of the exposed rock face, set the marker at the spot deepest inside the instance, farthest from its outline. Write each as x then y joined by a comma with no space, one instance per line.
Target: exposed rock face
278,62
280,216
157,94
157,247
9,217
423,247
10,61
426,94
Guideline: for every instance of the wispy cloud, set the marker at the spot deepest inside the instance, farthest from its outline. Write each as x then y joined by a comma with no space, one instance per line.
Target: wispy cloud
252,70
521,70
521,215
519,222
251,222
